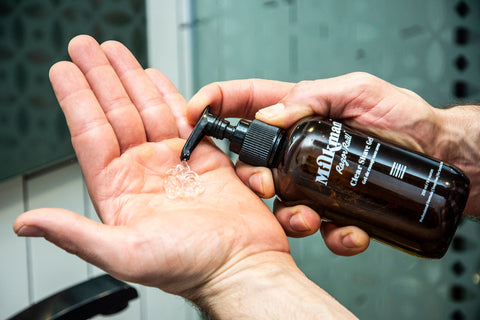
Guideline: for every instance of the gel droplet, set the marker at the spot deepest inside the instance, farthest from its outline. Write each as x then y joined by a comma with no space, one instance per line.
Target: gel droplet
182,182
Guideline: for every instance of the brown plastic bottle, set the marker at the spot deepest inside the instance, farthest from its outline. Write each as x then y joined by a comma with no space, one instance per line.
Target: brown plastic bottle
404,199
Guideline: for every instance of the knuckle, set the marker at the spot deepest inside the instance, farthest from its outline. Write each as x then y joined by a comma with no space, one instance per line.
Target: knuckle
302,85
364,79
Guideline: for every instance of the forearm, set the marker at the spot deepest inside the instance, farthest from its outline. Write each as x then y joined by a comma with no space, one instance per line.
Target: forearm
268,286
458,143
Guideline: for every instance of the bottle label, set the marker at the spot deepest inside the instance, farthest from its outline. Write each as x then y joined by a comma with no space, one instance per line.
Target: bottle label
432,189
371,169
325,160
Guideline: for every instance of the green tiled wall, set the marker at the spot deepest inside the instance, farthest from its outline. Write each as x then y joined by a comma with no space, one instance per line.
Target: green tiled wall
431,47
34,35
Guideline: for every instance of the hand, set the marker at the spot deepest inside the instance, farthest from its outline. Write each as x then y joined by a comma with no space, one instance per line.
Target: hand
223,250
359,100
128,127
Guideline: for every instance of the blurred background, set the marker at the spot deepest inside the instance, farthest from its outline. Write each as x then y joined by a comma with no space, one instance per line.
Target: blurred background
431,47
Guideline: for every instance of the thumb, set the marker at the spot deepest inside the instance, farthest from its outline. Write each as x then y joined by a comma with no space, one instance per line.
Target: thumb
91,241
283,114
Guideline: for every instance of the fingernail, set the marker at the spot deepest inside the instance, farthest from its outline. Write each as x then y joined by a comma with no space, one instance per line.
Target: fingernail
255,183
29,231
297,223
272,111
348,241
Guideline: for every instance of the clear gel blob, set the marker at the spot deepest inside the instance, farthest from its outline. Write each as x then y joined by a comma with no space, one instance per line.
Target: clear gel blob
182,182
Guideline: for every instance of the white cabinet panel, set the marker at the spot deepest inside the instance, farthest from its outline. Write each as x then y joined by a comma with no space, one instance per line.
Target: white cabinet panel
52,268
161,305
13,255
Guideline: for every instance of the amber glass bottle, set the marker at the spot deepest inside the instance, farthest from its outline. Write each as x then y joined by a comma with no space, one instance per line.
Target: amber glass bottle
404,199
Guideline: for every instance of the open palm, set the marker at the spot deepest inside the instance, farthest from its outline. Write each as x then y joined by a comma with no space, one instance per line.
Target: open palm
128,126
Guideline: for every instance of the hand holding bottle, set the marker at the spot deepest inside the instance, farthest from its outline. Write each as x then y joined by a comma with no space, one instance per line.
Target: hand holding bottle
359,100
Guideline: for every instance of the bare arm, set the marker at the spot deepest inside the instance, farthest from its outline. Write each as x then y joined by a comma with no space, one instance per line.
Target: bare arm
269,287
458,143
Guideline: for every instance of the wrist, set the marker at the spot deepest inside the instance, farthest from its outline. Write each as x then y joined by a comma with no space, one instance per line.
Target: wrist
267,285
459,135
457,143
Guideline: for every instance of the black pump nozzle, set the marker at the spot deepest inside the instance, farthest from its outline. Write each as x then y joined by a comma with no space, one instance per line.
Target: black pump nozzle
204,127
256,142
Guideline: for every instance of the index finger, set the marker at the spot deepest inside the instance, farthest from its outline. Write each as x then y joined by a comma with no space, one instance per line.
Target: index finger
93,138
237,98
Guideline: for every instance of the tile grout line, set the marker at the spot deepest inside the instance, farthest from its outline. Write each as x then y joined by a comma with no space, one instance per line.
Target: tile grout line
28,244
88,214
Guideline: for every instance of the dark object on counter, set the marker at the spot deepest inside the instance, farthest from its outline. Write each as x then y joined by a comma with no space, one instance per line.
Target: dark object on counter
101,295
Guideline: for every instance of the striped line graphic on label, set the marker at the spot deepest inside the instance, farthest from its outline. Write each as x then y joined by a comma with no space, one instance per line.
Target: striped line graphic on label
398,170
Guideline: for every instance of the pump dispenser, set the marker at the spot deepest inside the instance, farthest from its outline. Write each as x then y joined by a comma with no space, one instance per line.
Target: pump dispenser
402,198
255,142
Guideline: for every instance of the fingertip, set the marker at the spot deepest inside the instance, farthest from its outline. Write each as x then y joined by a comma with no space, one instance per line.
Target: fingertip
62,71
283,115
30,231
18,224
262,185
41,218
29,220
345,241
55,68
80,41
163,84
270,113
110,43
196,105
258,179
297,221
111,48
